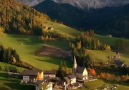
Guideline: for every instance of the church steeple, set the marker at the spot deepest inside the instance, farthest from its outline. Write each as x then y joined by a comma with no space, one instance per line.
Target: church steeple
74,65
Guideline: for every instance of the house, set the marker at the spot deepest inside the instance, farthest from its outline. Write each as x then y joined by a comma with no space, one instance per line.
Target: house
80,72
31,76
50,74
72,79
36,78
43,85
66,80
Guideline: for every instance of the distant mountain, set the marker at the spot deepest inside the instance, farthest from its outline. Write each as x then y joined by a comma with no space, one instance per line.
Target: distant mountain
93,3
108,20
65,13
30,2
82,3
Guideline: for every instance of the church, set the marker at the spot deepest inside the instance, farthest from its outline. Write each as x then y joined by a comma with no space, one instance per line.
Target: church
81,73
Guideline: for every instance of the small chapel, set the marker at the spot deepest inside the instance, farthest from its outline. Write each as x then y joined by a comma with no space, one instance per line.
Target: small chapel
81,73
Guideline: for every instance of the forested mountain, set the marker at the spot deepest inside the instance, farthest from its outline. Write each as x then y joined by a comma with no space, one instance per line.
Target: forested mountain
17,18
65,13
20,19
108,20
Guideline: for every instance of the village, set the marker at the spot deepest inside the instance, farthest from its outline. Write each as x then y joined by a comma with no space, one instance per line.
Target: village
47,80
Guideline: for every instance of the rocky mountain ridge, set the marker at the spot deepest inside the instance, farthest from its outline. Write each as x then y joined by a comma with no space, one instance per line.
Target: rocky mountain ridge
83,4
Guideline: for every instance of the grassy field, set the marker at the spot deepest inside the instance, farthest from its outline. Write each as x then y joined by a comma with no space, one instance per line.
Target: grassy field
64,30
5,65
94,84
98,55
64,44
99,84
26,46
11,83
110,40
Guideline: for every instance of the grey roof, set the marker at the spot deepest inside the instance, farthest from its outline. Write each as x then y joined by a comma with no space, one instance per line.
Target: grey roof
30,72
80,69
79,76
71,76
66,79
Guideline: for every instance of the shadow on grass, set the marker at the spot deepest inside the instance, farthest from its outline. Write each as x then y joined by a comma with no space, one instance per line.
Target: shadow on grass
57,61
5,88
3,74
27,40
115,82
17,86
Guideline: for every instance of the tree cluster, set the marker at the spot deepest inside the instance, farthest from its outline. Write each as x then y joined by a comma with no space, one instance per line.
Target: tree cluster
83,44
9,69
8,55
20,19
88,41
121,45
63,70
112,77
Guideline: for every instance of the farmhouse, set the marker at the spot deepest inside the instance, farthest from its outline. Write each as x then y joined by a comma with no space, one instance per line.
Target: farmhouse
36,78
72,79
31,76
50,74
43,85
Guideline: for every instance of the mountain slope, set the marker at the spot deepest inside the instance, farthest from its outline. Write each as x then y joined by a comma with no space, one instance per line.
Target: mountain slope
65,13
20,19
109,20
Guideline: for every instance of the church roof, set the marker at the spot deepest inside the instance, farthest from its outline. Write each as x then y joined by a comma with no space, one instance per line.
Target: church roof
79,76
80,70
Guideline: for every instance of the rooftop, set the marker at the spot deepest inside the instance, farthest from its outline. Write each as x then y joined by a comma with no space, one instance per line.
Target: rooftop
30,72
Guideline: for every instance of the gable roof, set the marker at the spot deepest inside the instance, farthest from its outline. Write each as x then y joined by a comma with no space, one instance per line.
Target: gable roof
31,72
79,76
71,76
80,70
66,79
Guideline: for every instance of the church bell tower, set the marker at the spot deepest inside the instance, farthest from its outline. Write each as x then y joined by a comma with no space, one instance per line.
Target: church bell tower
74,65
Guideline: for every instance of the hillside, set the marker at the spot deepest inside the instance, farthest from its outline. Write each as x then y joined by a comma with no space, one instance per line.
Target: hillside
20,19
111,20
65,13
29,44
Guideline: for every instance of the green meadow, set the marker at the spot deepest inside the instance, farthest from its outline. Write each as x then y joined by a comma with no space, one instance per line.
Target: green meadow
26,47
7,83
